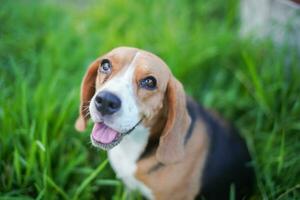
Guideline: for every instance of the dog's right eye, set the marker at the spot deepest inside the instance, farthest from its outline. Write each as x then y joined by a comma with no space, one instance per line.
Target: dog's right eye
105,66
148,83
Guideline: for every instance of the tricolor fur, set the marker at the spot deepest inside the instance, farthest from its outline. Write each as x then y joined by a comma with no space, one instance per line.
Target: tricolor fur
162,143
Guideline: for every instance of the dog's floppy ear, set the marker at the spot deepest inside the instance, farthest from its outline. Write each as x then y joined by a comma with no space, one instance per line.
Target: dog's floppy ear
87,92
171,142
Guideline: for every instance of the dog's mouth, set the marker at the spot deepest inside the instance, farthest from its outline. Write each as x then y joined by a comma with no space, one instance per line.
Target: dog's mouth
106,138
104,134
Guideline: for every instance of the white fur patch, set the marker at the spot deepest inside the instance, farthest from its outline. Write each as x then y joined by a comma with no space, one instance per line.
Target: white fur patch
123,159
124,156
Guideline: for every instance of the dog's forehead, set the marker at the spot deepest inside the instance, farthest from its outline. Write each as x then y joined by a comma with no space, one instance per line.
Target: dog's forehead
122,53
146,61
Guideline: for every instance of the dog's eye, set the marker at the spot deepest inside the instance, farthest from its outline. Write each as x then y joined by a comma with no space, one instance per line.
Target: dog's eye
148,83
105,66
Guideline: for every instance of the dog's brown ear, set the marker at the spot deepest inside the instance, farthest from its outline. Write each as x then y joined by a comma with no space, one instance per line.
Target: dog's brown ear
171,142
86,94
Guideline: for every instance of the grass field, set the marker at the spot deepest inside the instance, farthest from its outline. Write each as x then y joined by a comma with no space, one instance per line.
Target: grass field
46,46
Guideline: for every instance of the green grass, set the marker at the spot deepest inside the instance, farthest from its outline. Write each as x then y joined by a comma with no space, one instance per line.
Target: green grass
45,48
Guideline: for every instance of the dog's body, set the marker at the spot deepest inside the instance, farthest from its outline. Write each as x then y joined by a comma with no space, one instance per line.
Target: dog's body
160,142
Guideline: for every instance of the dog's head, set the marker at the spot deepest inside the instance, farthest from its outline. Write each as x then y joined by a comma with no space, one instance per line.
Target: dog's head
126,88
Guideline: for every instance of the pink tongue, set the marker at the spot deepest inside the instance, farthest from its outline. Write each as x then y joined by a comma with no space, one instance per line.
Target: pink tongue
104,134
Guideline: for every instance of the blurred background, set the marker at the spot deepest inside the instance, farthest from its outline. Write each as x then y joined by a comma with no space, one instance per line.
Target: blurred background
46,46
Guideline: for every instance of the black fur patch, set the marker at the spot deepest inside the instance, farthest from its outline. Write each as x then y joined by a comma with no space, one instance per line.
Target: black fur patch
228,161
193,116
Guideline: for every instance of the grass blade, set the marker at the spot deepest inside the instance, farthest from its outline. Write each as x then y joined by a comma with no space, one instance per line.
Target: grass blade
56,187
17,165
258,85
89,179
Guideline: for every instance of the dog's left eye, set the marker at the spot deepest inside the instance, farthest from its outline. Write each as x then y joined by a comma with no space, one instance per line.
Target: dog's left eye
148,83
105,66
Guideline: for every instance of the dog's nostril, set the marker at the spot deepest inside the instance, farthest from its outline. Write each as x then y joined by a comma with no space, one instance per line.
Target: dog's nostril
113,105
99,99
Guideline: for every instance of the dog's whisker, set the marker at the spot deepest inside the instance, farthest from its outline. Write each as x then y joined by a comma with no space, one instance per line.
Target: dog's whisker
87,104
85,109
87,114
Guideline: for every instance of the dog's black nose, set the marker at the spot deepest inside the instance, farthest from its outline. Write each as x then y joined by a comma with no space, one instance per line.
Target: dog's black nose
107,103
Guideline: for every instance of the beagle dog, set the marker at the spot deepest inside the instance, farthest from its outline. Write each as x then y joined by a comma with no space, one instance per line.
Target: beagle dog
159,140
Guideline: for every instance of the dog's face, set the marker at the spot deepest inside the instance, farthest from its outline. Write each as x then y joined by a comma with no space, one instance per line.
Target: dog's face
123,89
130,87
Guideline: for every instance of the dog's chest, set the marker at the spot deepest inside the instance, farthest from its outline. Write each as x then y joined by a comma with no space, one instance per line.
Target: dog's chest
124,156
